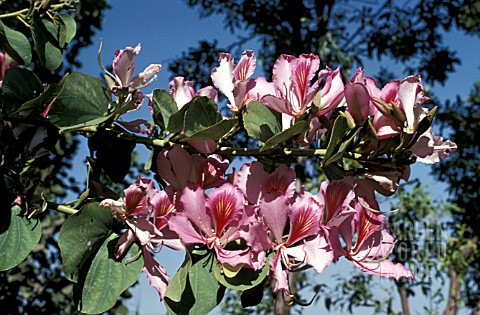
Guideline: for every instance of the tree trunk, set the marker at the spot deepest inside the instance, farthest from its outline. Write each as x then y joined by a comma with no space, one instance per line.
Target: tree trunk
454,289
402,290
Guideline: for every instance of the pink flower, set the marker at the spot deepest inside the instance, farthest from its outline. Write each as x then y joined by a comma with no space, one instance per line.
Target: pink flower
430,148
291,82
218,220
4,65
358,97
305,243
231,79
332,92
368,243
256,183
124,66
177,168
141,199
183,91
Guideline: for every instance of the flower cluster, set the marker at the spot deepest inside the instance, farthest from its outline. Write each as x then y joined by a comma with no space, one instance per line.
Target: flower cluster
255,219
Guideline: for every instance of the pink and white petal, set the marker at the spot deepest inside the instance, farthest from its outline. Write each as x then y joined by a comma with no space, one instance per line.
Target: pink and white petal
226,206
181,225
182,91
146,77
278,273
278,104
192,205
332,93
234,257
282,72
304,218
223,76
430,148
282,180
246,66
143,229
156,274
124,242
318,253
137,202
385,268
407,94
239,94
250,180
358,101
209,92
275,214
259,87
181,164
123,64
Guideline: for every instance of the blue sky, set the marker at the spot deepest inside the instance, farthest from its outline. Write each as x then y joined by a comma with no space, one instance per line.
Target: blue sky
166,28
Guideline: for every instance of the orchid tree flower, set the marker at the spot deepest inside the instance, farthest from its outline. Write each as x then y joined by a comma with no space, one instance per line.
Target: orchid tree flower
305,243
183,91
430,148
178,168
124,66
135,210
368,243
219,221
332,93
256,183
291,84
357,97
231,79
410,95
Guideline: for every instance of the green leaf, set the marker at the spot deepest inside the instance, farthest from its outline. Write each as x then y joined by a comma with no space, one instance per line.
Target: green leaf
176,122
83,101
340,139
114,155
17,241
53,54
65,27
179,281
202,291
19,86
81,236
334,172
163,106
285,135
215,132
108,277
46,44
245,279
261,122
15,44
201,114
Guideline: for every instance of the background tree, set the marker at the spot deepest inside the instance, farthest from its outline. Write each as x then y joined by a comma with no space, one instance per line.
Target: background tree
346,33
37,285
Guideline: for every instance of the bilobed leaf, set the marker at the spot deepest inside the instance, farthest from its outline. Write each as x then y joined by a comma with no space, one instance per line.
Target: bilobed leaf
285,135
201,114
83,101
245,279
81,236
215,132
15,44
163,106
18,240
202,290
108,277
261,122
19,86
